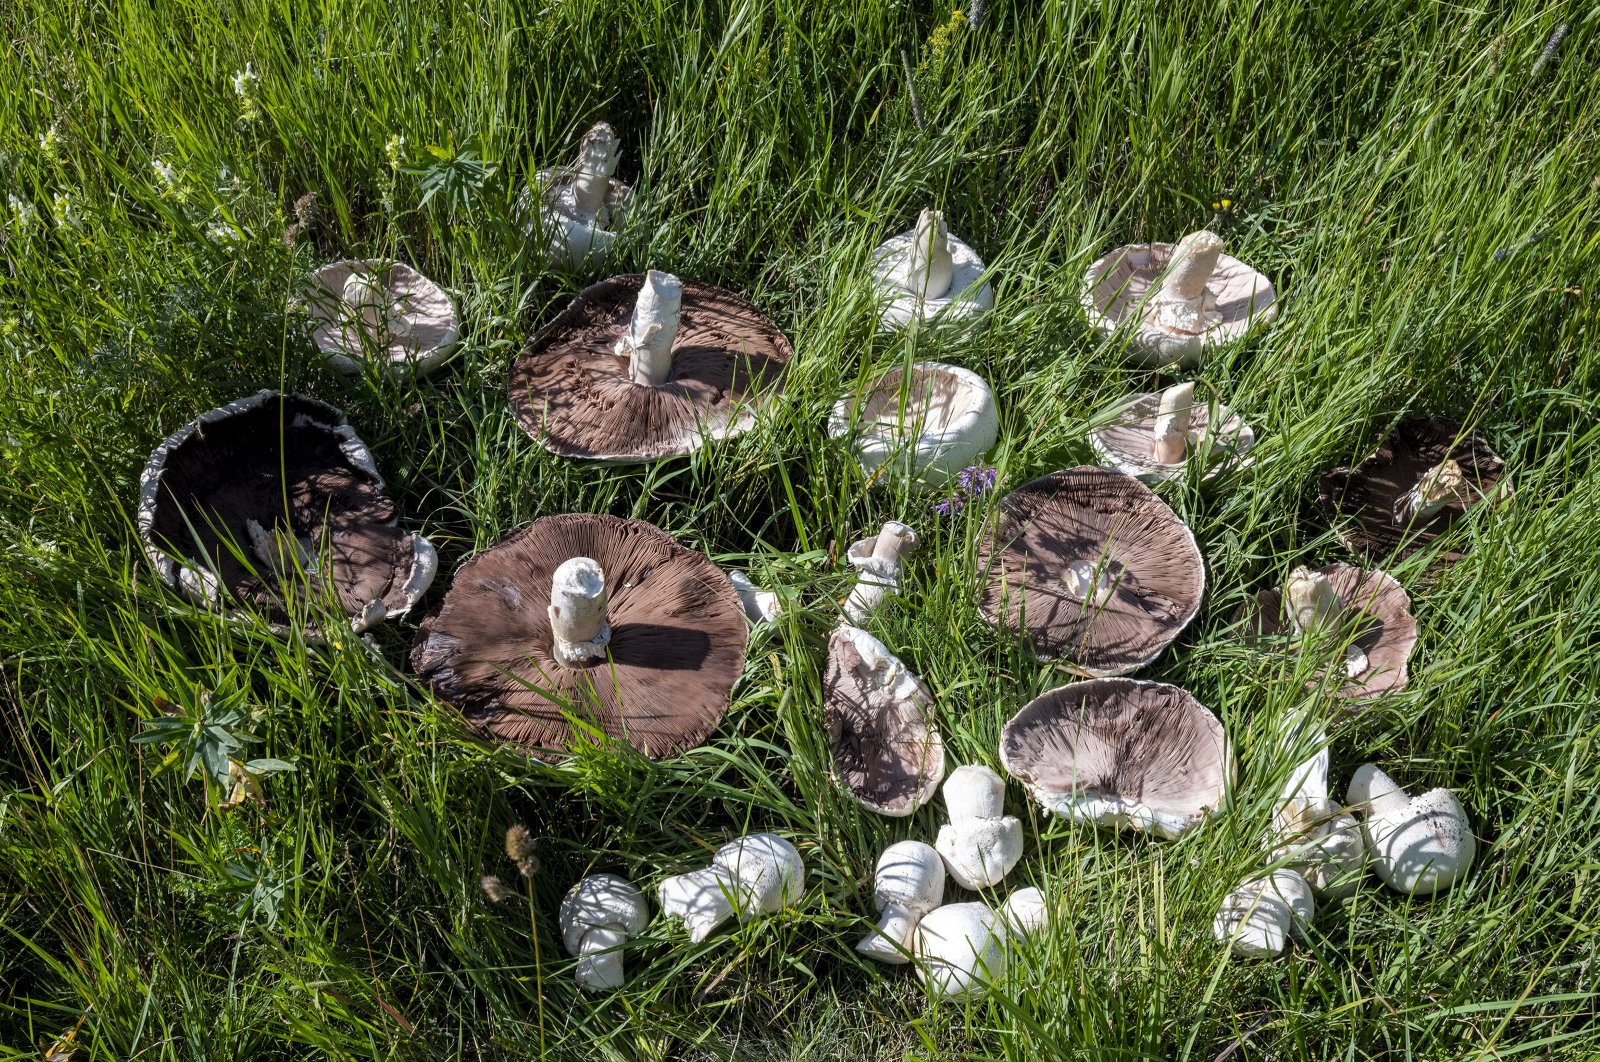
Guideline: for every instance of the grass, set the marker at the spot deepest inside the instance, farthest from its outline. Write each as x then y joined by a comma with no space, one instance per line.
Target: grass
1425,200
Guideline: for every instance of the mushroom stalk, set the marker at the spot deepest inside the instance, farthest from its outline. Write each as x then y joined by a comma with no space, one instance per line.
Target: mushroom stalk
283,552
981,843
930,266
880,569
597,161
1090,581
1437,488
1181,301
654,327
1171,435
578,625
370,302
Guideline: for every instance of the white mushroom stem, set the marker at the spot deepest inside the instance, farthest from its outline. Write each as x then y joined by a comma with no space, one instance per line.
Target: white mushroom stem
369,299
930,268
1171,436
654,327
880,569
597,161
1181,300
1437,488
1315,607
981,843
759,605
1090,581
579,628
283,552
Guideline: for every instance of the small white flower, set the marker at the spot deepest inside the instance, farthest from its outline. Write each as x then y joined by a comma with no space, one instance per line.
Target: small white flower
22,213
165,171
63,211
395,149
222,232
245,81
50,144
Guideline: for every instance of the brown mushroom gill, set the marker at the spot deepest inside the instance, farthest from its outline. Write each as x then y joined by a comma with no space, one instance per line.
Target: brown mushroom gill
573,392
676,645
879,720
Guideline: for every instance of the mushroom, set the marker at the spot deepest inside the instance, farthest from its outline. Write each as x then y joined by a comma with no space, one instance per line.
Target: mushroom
926,274
879,716
1312,834
1258,918
929,423
581,206
907,884
959,950
1178,300
271,495
1365,613
1121,753
1154,436
638,368
580,625
598,915
981,843
760,606
878,559
365,307
1089,565
754,875
1419,845
1024,913
1421,481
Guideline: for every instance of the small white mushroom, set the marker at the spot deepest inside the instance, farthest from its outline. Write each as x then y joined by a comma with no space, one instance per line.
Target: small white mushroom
1418,845
879,560
760,606
928,422
1024,913
981,843
1258,918
598,915
926,273
1313,834
908,883
1434,490
959,950
648,341
754,875
579,628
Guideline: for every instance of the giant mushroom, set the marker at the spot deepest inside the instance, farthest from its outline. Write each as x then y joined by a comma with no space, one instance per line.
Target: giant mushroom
1155,436
381,311
927,423
275,495
642,367
926,274
582,623
1091,567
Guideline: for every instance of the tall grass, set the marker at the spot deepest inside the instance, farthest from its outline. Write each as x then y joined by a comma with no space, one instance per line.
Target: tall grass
1425,200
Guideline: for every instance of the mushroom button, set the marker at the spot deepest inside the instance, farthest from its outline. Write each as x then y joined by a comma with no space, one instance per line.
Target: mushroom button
879,718
907,884
754,875
981,843
959,950
1419,845
598,915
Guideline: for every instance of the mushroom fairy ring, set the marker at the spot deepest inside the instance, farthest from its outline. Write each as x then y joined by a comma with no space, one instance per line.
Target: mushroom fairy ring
925,274
273,494
1154,436
1120,753
587,616
1175,300
580,206
928,425
643,367
365,307
1089,566
879,716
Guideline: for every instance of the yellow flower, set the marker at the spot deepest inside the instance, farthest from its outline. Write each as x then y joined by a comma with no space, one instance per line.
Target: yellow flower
1227,203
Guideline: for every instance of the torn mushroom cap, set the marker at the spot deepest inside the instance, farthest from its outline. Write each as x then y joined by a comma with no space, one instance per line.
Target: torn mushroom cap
926,274
754,875
878,558
1422,480
879,717
1258,918
1419,845
275,493
598,915
930,426
1175,300
907,884
760,606
372,307
581,206
1090,567
1363,615
981,843
661,677
582,390
1154,436
1120,753
959,950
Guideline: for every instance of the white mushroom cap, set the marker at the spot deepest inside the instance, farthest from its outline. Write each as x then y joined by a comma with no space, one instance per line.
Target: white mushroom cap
981,843
945,422
965,296
1258,918
1419,845
959,950
974,792
1025,912
597,915
908,883
702,899
389,308
768,870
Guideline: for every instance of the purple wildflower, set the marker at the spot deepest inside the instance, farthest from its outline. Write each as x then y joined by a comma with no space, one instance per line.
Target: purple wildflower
977,479
951,505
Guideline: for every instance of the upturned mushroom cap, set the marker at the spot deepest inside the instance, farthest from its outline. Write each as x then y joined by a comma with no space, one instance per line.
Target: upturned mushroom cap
1215,436
1377,621
959,950
404,320
932,426
907,297
283,482
981,843
1091,567
1258,918
1123,290
580,206
1360,502
573,393
676,646
879,718
907,884
1419,845
1120,753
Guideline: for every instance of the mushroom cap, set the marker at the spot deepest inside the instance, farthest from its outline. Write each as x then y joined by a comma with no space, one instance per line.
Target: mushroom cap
1117,289
434,326
677,645
1258,918
974,791
968,297
979,853
1090,515
1385,631
1359,502
572,392
1126,443
879,717
602,900
910,874
958,950
768,873
947,420
295,467
1025,912
1119,752
1419,845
